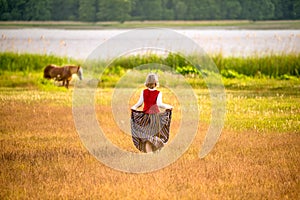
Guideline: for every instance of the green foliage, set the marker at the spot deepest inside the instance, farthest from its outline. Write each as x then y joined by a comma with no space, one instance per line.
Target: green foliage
131,62
258,9
180,10
275,66
147,10
187,70
114,10
124,10
27,69
87,10
233,10
30,62
65,10
175,61
231,74
270,65
115,70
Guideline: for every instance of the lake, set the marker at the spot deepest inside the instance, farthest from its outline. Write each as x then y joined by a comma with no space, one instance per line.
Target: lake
80,43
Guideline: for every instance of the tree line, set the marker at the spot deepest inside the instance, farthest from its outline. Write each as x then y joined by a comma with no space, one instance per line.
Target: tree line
127,10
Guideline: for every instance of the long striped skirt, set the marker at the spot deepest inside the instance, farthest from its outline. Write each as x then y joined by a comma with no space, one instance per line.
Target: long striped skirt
153,128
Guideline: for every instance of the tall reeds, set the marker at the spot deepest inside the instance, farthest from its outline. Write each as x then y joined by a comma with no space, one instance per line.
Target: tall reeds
273,66
30,62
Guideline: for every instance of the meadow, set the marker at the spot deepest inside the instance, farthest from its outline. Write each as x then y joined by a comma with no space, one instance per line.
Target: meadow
256,157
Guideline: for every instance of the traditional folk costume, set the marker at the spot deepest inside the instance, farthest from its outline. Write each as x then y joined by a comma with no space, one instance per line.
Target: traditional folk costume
150,125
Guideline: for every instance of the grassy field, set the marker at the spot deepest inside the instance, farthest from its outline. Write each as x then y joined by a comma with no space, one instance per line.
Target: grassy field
224,24
256,157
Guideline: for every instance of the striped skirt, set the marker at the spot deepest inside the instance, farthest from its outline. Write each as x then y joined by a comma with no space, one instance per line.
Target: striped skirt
153,128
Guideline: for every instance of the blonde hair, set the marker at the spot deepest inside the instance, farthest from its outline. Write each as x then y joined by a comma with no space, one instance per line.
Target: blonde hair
151,81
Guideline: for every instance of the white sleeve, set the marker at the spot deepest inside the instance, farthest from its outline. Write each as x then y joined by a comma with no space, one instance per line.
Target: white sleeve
140,102
161,104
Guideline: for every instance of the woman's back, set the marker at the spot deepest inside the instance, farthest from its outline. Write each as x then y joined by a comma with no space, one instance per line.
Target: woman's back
150,97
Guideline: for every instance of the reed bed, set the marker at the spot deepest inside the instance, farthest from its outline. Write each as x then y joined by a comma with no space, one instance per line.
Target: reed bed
17,70
29,62
270,65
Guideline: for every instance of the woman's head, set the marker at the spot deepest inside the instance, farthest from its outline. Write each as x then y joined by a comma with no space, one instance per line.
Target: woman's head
151,81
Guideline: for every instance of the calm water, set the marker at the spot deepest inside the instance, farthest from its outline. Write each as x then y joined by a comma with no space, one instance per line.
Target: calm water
80,43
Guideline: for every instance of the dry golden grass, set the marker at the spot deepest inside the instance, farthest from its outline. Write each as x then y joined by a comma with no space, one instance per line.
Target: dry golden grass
42,157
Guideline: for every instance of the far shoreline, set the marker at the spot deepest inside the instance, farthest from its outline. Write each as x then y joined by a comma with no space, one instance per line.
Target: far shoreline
206,24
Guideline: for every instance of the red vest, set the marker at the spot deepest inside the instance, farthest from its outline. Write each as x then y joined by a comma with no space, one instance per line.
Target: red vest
150,105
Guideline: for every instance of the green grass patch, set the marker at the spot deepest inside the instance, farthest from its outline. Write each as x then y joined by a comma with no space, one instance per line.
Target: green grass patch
276,66
272,71
238,24
26,70
261,111
27,63
268,111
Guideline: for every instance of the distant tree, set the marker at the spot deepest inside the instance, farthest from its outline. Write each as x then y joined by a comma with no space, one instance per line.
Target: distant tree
192,12
4,10
290,9
12,9
153,9
148,9
267,9
204,11
122,10
136,10
180,10
231,9
214,9
65,10
35,10
278,12
297,10
167,10
257,9
247,9
3,6
114,10
87,10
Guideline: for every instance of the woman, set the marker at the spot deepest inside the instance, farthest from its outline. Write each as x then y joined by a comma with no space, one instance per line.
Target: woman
150,128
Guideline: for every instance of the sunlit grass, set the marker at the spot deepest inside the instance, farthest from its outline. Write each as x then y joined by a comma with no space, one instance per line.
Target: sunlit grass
264,113
42,156
256,157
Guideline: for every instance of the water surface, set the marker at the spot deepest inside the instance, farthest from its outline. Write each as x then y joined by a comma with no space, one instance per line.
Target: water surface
80,43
